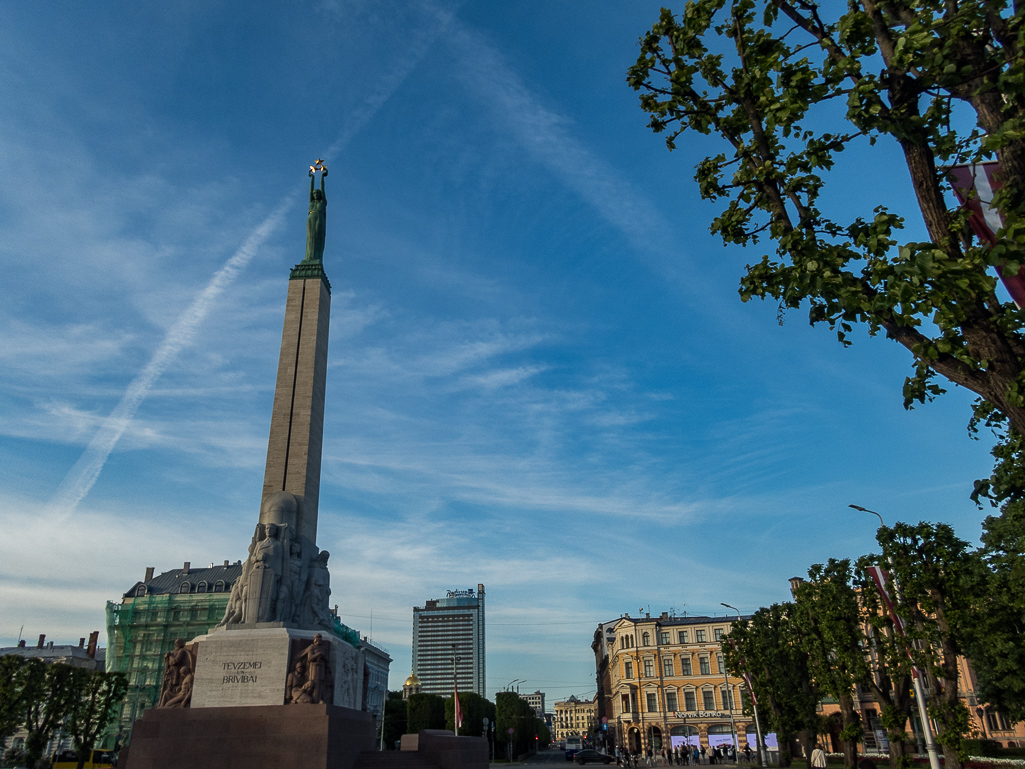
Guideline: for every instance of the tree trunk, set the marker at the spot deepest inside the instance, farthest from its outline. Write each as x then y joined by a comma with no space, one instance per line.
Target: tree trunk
807,738
850,723
784,748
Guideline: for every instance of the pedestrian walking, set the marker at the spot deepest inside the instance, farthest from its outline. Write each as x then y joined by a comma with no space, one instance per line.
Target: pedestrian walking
818,758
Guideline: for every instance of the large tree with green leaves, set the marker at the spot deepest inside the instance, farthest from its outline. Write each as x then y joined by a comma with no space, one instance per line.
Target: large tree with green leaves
829,606
58,691
787,85
425,711
474,709
20,684
769,649
98,693
937,574
997,616
394,719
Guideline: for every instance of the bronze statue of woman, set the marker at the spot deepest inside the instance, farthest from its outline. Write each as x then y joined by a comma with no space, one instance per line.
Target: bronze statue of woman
316,222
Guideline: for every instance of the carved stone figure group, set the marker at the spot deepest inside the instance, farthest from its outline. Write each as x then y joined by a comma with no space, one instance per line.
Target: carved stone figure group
179,671
285,579
310,681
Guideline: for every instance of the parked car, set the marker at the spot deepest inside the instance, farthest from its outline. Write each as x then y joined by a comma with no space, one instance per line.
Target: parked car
589,756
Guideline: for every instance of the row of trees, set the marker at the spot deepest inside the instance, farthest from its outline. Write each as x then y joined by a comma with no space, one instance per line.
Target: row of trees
837,634
431,711
42,698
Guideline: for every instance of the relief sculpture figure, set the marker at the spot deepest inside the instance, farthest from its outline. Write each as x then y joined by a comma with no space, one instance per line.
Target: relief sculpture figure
179,667
318,589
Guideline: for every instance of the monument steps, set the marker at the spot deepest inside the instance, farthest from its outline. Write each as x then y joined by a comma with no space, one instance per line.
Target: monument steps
392,759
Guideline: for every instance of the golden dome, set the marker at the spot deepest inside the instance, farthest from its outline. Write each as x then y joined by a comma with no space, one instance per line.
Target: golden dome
412,680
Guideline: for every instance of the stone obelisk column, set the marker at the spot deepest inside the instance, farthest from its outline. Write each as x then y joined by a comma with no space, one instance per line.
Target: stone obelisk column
297,420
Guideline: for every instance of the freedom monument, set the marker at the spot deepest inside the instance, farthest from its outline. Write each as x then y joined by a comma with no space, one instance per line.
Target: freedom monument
277,682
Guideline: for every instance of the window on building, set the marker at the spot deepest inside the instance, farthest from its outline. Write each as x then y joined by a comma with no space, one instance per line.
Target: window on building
625,703
201,587
671,703
219,586
649,668
667,669
628,669
699,636
651,702
708,697
718,659
685,666
663,637
689,702
140,590
705,668
646,639
726,695
183,587
717,634
682,636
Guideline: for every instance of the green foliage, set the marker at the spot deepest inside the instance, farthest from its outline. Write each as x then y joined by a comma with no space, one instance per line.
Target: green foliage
475,709
511,711
828,604
19,685
787,85
56,689
998,617
424,711
394,719
98,693
769,649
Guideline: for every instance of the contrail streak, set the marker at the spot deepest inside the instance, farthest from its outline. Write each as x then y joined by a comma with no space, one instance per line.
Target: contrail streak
81,478
83,475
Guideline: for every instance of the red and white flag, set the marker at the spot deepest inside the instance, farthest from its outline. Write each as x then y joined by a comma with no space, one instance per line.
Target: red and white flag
882,579
974,186
880,576
458,710
750,689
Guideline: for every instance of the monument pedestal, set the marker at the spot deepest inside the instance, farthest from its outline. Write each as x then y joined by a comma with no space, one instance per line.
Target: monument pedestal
264,737
246,666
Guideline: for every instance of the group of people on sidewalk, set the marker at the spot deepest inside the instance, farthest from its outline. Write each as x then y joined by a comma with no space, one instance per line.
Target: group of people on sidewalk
681,755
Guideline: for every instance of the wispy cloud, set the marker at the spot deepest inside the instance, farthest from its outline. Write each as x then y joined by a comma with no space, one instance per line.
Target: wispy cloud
550,138
83,475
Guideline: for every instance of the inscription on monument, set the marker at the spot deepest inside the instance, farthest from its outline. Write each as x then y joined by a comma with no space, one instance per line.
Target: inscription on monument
236,672
248,670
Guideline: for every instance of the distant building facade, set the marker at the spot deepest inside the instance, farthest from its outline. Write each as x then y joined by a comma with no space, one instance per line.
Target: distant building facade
142,627
661,682
448,638
536,701
574,718
378,662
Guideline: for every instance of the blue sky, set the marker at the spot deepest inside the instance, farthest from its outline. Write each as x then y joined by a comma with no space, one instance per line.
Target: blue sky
541,374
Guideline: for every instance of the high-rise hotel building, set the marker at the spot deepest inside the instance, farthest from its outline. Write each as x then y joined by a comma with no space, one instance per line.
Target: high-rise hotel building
448,643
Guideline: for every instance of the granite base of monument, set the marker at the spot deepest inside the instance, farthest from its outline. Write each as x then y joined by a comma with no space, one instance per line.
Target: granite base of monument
250,666
259,737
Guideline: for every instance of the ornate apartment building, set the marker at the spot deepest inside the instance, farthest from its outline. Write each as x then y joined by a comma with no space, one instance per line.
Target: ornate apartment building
574,718
661,683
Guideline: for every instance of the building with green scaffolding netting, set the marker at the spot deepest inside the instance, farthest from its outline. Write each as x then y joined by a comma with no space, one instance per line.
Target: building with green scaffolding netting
141,629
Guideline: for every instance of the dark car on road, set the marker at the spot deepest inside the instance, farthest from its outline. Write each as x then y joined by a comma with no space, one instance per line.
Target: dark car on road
589,756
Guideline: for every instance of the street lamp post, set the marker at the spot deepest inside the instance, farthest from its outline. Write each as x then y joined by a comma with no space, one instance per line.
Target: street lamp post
754,705
923,713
